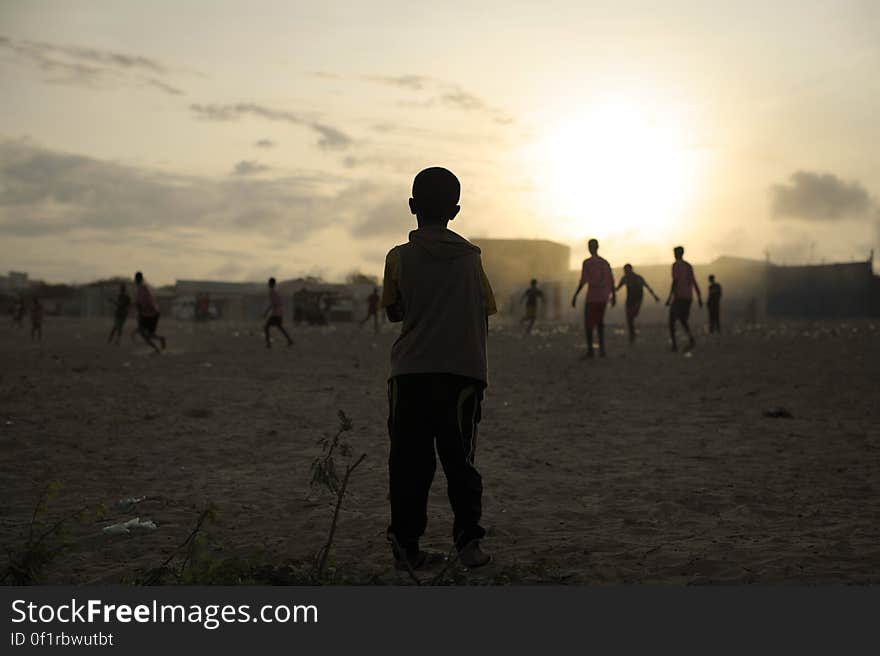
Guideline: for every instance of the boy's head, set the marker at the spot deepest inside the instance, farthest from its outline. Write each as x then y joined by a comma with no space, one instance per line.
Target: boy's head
138,278
435,195
678,252
271,282
627,268
593,246
534,282
711,277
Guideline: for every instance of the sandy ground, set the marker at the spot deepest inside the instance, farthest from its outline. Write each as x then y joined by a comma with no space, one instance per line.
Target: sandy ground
643,467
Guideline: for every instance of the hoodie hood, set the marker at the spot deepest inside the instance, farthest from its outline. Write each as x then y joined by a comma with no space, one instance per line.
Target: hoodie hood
442,243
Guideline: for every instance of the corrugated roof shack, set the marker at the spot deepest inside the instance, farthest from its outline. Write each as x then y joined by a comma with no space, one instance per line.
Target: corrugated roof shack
510,264
828,291
215,299
318,302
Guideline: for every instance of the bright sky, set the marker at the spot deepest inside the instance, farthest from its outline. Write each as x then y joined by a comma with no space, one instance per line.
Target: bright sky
214,139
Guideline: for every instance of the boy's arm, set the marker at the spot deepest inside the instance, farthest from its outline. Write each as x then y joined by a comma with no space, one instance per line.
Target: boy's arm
613,288
576,292
697,288
488,295
671,287
391,300
579,288
648,287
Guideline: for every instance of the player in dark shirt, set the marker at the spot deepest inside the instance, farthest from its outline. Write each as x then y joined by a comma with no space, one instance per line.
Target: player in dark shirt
635,286
120,314
373,310
531,297
714,305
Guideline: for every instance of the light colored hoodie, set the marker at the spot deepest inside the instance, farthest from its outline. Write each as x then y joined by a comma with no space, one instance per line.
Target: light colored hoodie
437,281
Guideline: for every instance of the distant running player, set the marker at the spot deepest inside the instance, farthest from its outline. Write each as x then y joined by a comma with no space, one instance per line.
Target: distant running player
120,314
373,310
531,297
18,311
148,313
714,305
635,286
276,308
36,320
596,273
681,296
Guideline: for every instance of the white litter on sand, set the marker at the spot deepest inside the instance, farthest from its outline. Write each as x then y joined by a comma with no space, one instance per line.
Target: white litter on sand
124,528
128,502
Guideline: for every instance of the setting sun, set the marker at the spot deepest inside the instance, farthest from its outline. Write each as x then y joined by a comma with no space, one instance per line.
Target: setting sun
617,167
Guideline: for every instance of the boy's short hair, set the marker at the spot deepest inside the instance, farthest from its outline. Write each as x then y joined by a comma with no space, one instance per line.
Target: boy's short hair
138,276
678,250
436,190
627,267
534,281
271,282
593,243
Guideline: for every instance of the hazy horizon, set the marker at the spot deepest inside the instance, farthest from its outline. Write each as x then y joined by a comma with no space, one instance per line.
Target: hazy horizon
218,140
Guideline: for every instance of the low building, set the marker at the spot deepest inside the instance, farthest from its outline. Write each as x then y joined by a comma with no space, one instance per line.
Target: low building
510,265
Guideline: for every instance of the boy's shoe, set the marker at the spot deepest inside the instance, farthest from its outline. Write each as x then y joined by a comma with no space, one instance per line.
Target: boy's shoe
471,556
414,558
162,342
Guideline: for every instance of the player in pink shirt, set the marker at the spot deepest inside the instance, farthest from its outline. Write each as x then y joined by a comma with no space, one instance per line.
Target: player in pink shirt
684,283
276,308
597,274
148,312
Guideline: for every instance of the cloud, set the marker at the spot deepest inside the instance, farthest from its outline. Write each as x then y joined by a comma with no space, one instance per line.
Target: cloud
265,143
89,67
413,82
330,138
249,167
49,193
384,217
820,197
444,94
162,86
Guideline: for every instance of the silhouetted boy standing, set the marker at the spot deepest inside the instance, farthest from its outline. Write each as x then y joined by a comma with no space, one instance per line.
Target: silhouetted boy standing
36,320
435,285
531,296
714,305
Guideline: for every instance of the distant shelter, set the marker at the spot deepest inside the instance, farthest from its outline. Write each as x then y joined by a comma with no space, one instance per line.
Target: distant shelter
510,265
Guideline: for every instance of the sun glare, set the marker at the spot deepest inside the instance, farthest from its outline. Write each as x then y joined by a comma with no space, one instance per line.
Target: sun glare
613,170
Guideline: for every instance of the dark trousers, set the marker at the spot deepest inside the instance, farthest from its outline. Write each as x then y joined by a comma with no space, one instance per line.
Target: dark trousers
714,317
424,410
